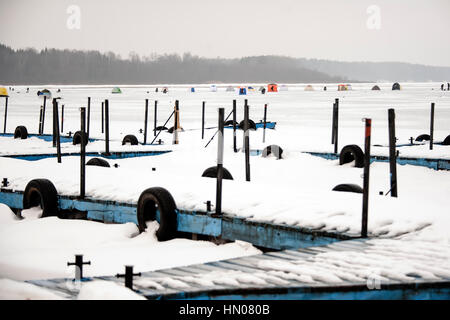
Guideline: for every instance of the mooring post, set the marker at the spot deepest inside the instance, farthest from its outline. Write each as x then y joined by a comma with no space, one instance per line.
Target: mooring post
40,120
145,121
336,133
431,126
106,127
220,162
392,153
43,115
128,276
175,126
103,117
333,124
62,118
57,137
203,119
234,126
6,114
155,118
79,266
54,123
265,118
83,153
365,209
247,142
88,117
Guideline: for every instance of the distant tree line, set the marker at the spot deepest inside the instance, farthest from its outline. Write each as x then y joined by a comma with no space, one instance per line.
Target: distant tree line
29,66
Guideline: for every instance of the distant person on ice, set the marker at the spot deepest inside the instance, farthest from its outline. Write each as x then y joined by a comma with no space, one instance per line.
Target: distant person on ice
442,87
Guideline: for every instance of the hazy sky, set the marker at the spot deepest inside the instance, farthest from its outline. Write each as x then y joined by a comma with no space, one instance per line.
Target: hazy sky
416,31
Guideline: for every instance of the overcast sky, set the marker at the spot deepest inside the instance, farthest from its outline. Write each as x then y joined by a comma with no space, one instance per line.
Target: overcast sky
416,31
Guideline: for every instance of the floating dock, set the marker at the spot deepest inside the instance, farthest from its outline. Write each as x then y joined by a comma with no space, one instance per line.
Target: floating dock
260,277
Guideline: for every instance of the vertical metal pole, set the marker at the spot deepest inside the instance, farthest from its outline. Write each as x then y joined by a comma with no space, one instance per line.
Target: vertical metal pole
234,126
247,142
40,120
392,153
6,114
431,126
365,209
243,136
54,123
265,118
146,120
220,162
203,120
83,154
336,134
107,127
129,277
62,118
88,117
333,124
103,117
43,115
155,119
175,126
58,140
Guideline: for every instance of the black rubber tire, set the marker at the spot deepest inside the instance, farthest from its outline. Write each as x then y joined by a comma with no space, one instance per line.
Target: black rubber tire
171,130
446,141
77,137
230,123
251,125
352,152
98,162
423,137
146,211
161,128
277,151
212,173
348,188
131,139
21,132
41,192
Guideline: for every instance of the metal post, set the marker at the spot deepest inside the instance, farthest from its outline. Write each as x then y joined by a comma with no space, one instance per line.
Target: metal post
175,126
234,126
83,153
247,142
57,137
103,117
365,209
431,126
392,153
203,120
40,120
245,123
79,266
6,114
106,127
336,134
155,120
333,124
62,118
88,117
128,276
43,115
220,162
265,119
54,123
146,120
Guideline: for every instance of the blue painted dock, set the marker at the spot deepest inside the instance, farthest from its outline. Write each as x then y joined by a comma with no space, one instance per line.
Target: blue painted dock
46,137
226,227
111,155
260,277
436,164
